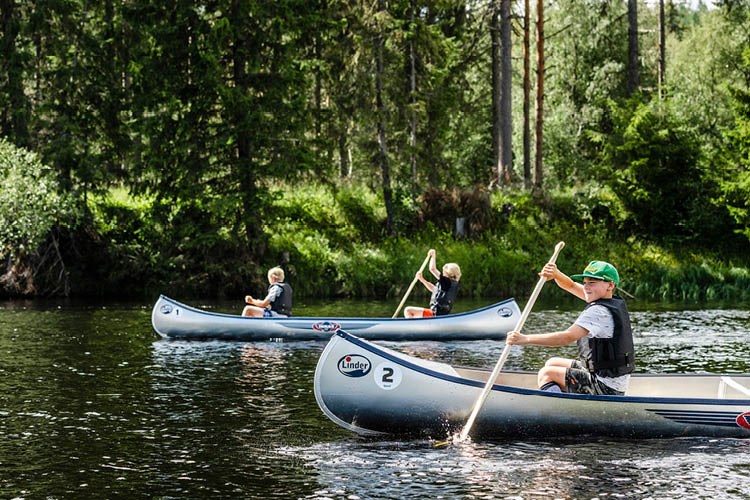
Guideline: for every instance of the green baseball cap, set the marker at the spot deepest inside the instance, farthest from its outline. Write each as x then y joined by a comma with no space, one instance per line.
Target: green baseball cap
600,270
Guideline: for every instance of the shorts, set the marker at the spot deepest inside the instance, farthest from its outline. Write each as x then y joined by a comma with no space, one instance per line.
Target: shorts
267,313
578,380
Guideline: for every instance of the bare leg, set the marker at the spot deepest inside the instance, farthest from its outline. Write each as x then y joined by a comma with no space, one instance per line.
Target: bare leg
559,362
554,371
413,312
253,311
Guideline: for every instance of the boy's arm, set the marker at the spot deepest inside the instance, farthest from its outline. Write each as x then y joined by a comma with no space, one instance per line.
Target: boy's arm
272,294
257,302
553,339
564,281
427,284
433,264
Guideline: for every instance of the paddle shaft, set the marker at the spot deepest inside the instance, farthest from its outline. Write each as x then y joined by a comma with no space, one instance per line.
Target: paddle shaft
506,350
408,291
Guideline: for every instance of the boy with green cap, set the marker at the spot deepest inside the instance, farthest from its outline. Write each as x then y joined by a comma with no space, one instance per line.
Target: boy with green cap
602,332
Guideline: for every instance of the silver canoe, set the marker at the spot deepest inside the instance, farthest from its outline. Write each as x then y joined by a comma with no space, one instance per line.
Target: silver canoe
175,320
374,391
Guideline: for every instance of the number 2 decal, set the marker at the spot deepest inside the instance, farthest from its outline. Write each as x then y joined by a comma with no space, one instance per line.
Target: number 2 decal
387,375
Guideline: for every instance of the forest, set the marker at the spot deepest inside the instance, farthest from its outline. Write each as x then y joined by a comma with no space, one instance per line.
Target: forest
184,147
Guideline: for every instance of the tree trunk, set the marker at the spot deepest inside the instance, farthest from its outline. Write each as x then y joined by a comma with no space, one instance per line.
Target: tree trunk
526,96
502,131
662,48
251,213
385,168
633,55
13,119
506,110
538,160
496,92
345,158
413,113
318,92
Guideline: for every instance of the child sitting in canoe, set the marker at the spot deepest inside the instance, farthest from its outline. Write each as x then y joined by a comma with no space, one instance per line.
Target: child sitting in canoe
602,331
444,292
278,301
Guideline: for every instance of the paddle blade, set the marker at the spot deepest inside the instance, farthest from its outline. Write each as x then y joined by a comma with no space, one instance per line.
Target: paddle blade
453,439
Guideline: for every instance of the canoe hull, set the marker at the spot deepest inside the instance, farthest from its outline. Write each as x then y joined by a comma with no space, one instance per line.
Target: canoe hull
175,320
402,395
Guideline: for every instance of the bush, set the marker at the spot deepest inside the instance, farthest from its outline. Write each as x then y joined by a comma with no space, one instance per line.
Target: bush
660,180
31,207
30,201
442,208
359,209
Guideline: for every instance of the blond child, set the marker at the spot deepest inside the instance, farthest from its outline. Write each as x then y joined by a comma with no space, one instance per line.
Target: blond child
444,292
278,301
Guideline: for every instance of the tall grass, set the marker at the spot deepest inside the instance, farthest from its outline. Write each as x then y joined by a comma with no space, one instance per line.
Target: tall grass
337,248
332,243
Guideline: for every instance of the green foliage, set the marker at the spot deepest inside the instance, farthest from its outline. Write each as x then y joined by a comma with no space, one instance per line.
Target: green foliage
657,175
737,187
130,249
586,53
699,281
380,272
127,245
701,70
243,135
310,270
324,258
362,211
30,201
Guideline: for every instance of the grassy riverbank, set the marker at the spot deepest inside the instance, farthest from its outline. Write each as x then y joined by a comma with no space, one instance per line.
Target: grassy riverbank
332,244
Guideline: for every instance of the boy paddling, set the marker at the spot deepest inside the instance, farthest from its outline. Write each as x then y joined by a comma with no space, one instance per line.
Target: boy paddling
603,333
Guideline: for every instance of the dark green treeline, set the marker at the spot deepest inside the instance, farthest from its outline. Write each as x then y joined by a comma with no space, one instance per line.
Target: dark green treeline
176,132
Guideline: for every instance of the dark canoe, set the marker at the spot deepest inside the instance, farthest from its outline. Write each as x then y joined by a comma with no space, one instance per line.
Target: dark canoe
175,320
376,391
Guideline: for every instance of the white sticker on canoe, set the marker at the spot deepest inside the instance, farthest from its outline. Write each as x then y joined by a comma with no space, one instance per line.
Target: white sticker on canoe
354,365
387,375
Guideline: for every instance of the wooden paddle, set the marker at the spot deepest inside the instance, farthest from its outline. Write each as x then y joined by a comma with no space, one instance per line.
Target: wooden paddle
506,351
414,282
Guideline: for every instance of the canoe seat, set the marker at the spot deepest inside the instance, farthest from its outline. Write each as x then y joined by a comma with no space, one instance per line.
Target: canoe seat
728,381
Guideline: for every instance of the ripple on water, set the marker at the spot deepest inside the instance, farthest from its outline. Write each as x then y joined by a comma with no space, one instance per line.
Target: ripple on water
92,405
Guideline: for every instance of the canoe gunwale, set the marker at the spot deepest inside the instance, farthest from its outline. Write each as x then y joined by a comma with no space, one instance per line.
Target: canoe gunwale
175,320
203,312
535,392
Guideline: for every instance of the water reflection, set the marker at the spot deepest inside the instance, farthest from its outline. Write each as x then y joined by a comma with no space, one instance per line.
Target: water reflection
93,405
560,469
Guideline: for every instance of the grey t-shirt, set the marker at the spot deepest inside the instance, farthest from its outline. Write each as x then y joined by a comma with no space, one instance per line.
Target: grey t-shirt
598,321
273,293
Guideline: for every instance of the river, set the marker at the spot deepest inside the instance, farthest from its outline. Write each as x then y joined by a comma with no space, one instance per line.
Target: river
94,405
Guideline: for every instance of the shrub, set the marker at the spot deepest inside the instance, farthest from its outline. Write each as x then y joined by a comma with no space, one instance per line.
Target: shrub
660,180
30,201
442,208
31,207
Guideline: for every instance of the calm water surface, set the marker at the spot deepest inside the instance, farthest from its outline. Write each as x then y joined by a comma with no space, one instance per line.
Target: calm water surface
94,405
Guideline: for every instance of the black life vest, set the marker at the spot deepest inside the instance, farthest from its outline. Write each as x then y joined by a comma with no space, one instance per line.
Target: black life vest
444,295
612,357
283,303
